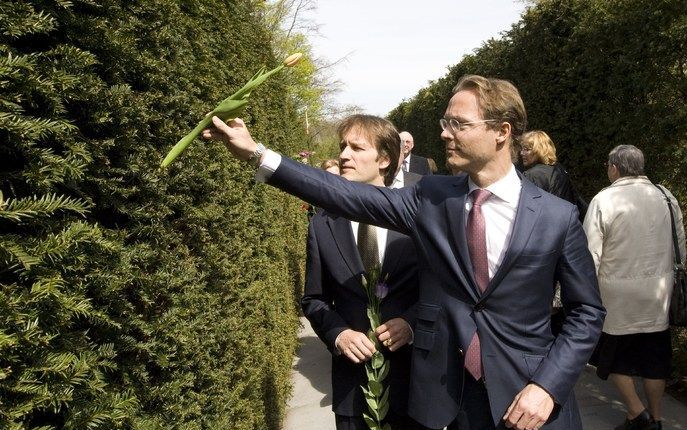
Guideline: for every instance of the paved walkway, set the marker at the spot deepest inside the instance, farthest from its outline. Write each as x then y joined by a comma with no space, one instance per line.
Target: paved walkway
310,404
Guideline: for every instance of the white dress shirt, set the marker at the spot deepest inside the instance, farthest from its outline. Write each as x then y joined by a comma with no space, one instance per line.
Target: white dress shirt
406,163
399,180
499,213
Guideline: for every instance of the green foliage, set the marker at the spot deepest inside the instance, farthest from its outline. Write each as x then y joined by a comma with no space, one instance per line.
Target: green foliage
132,297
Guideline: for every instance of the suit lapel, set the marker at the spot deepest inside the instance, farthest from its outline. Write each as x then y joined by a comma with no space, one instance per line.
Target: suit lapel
455,212
345,242
529,209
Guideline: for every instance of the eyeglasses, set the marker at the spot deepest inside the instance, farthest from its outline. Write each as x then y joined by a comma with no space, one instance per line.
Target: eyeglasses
456,125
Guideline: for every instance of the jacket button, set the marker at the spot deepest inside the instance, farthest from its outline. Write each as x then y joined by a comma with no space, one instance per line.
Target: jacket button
460,352
479,307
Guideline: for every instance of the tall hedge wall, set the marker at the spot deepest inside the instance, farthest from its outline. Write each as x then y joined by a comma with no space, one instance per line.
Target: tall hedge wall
132,297
593,74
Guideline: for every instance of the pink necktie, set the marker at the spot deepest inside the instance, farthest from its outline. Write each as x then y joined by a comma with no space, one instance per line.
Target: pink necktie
477,246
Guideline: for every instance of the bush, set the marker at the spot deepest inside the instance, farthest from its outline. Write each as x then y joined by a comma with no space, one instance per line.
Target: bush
134,297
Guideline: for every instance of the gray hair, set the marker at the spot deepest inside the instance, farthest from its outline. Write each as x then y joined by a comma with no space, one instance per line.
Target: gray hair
628,159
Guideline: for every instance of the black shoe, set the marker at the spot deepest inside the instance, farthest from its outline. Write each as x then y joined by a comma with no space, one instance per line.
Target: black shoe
643,421
658,424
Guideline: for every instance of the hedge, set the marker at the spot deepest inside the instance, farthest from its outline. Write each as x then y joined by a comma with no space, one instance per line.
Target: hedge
133,297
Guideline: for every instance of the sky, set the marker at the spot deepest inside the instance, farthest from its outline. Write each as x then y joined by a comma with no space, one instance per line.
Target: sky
394,48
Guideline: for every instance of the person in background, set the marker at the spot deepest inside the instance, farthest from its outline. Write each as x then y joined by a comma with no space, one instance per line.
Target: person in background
539,159
403,178
630,238
331,165
432,166
339,251
411,162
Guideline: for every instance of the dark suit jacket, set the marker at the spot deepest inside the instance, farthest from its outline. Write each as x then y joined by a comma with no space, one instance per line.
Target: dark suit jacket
419,165
555,180
334,300
512,317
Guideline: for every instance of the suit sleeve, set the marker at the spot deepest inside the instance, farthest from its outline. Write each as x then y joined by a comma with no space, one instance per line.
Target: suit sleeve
585,314
317,302
389,208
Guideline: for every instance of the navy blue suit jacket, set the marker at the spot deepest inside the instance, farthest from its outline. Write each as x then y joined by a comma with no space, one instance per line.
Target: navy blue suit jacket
512,317
334,300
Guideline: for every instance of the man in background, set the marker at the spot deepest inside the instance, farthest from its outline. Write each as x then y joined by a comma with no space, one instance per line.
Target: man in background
411,162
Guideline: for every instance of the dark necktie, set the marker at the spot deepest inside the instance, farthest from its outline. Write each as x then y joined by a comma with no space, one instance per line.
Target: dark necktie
405,166
477,247
367,246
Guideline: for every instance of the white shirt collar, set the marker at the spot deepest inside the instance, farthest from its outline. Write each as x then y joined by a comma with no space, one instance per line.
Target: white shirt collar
399,180
506,188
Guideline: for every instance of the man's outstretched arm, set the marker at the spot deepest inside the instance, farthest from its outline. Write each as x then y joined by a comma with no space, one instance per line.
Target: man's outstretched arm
393,209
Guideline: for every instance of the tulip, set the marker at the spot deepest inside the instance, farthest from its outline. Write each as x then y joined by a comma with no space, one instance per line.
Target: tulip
229,108
381,290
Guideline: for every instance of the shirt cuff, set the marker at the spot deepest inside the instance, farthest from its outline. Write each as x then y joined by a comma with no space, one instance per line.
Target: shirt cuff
270,162
337,351
412,333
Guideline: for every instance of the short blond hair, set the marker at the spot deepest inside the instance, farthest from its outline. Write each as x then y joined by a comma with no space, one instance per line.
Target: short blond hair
541,146
499,100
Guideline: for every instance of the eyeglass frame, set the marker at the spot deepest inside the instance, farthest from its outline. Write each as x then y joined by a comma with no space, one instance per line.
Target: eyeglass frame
451,121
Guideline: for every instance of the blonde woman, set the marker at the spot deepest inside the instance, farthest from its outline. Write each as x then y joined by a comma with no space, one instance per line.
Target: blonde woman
539,159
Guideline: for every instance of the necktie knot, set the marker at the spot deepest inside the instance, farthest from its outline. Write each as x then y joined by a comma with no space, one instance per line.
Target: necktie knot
480,196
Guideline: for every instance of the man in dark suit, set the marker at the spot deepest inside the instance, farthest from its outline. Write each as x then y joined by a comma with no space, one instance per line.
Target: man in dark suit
491,246
334,299
411,162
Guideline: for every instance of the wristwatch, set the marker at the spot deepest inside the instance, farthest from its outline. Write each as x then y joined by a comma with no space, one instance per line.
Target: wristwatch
254,159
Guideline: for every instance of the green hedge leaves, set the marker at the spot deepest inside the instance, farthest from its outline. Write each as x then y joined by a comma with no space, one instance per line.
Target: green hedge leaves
132,297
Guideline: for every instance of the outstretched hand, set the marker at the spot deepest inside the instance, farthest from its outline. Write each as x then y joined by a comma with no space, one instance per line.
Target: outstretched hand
235,136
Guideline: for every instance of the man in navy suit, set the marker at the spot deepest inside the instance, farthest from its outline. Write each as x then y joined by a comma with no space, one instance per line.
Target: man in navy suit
491,246
334,299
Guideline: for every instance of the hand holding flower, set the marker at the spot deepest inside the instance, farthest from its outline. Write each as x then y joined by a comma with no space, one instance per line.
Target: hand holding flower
394,333
355,345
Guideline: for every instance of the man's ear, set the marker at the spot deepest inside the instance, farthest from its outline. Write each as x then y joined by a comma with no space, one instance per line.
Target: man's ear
503,132
383,161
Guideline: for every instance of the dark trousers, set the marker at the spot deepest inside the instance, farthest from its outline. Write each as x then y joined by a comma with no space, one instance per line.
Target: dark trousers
475,413
397,422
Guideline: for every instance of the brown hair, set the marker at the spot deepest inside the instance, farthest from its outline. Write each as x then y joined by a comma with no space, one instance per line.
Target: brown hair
498,99
541,145
381,133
